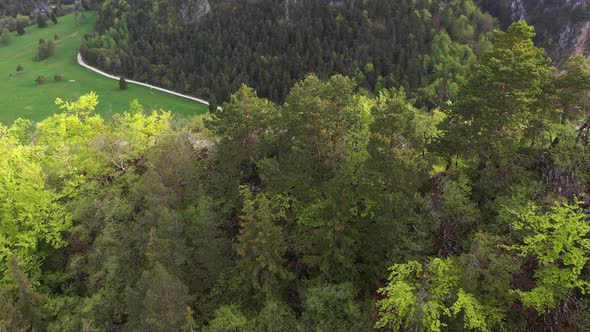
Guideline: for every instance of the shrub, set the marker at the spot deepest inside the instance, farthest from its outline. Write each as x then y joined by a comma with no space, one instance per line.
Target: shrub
46,49
22,21
55,37
19,68
20,29
41,21
40,79
122,84
8,22
50,47
5,37
213,104
58,77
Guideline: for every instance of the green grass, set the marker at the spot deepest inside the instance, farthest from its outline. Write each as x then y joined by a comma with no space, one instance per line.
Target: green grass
22,97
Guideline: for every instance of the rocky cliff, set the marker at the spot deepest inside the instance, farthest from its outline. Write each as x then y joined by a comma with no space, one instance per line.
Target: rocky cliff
563,26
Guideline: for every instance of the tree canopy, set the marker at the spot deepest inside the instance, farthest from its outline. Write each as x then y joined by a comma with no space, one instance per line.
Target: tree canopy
341,208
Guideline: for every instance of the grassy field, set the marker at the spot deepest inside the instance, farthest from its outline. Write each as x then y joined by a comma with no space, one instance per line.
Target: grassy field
20,96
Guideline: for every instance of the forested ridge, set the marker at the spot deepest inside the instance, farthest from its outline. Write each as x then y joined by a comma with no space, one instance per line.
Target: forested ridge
341,208
209,48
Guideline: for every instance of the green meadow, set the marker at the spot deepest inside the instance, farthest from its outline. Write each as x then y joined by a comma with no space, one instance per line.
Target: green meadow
21,96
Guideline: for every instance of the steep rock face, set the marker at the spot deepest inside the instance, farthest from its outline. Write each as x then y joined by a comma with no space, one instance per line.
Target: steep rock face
194,10
517,10
563,26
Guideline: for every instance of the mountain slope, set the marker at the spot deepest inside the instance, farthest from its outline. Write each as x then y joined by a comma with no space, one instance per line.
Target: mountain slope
563,26
208,48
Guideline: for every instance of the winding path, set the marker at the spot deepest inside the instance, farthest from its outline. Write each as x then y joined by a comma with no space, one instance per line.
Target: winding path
100,72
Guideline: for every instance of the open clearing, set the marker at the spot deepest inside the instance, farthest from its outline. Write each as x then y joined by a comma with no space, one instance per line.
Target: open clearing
20,96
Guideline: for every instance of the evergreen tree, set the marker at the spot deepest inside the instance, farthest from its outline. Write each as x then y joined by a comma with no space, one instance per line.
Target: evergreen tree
45,50
53,18
122,84
572,86
28,300
499,105
276,317
10,318
332,308
158,302
261,248
41,20
209,249
20,27
213,105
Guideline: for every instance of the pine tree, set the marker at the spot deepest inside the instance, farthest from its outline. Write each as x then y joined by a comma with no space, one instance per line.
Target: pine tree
122,84
277,317
53,18
158,302
261,248
20,27
41,20
213,105
499,103
28,300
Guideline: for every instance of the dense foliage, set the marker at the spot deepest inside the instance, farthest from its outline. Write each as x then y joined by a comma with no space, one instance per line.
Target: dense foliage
271,44
16,15
31,7
14,7
338,209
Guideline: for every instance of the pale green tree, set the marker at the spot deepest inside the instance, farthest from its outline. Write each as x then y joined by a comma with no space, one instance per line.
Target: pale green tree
30,212
5,37
558,240
424,297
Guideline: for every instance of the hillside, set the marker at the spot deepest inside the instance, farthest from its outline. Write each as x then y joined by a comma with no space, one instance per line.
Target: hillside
22,97
208,48
376,165
563,26
336,210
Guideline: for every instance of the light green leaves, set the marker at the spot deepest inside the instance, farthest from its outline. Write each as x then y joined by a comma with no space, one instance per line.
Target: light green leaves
423,297
558,240
30,213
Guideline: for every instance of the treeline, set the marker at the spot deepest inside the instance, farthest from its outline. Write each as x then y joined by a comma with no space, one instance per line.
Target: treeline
27,7
337,210
15,7
272,44
16,15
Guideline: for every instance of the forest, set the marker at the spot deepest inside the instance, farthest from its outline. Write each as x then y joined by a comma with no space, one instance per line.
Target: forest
340,208
271,44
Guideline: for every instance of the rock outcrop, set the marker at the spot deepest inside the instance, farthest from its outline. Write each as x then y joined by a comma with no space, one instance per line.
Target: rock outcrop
563,26
194,10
